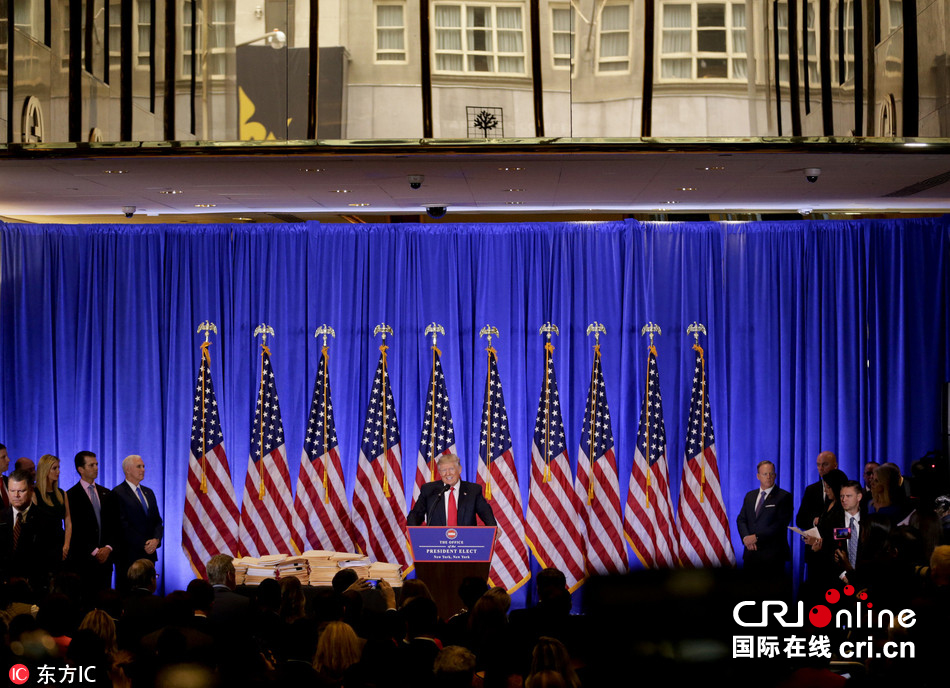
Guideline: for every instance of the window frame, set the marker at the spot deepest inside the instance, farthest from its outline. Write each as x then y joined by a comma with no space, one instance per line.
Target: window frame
184,50
694,54
376,29
465,53
555,56
614,59
811,60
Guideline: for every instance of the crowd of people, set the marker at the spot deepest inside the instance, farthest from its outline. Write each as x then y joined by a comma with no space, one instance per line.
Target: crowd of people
59,609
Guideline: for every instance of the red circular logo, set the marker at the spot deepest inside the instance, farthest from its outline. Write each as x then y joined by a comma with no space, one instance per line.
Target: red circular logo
19,674
451,533
820,616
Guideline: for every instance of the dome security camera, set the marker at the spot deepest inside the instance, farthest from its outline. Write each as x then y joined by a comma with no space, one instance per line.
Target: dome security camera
811,174
128,210
436,211
415,181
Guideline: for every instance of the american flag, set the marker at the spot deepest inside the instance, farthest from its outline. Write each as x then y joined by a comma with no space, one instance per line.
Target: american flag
438,433
379,500
320,501
499,478
648,517
704,527
269,524
210,522
598,488
553,532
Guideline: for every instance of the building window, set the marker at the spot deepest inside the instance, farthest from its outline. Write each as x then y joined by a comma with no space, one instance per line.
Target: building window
703,40
390,33
479,39
846,32
894,18
613,46
141,38
143,34
812,28
115,34
220,38
29,16
562,37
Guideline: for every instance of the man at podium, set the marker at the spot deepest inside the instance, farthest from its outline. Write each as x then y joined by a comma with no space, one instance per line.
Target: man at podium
450,501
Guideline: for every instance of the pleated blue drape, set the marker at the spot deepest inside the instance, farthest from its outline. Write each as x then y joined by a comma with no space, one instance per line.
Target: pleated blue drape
822,335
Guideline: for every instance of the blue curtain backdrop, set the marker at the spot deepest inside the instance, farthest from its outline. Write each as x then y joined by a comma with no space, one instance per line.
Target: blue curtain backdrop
822,335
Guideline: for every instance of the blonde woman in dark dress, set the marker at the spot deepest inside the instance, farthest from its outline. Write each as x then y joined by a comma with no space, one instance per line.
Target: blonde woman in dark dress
51,501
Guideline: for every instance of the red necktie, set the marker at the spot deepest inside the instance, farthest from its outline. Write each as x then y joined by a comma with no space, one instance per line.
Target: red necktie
16,529
453,516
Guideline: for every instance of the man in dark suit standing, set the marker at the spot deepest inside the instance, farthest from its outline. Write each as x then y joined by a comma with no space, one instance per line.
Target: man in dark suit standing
762,523
4,465
850,552
450,501
140,522
813,499
95,519
20,531
814,505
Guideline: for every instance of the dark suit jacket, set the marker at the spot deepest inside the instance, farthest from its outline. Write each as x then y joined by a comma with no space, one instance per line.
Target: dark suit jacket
87,535
812,506
26,559
136,526
770,527
839,519
430,507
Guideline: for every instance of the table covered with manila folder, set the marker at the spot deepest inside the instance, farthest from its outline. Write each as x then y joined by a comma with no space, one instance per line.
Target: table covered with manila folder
313,567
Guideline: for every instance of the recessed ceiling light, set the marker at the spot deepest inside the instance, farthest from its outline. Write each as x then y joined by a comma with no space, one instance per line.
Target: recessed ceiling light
712,168
669,202
510,169
359,205
205,205
115,171
915,145
341,191
170,192
313,169
515,202
687,188
513,190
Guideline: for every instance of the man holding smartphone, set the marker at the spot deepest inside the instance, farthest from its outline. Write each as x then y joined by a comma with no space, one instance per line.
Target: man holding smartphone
850,536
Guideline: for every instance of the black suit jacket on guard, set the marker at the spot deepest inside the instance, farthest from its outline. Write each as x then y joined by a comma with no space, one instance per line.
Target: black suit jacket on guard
430,507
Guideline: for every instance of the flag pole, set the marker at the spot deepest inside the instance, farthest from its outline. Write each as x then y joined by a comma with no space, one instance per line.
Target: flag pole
207,327
652,328
384,329
694,330
435,330
262,330
324,354
596,328
546,330
489,332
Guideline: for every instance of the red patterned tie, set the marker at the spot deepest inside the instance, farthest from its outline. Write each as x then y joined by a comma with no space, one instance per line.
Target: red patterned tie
16,529
453,516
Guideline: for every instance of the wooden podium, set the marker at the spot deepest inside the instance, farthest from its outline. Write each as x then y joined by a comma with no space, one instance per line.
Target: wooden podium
444,556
